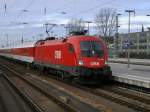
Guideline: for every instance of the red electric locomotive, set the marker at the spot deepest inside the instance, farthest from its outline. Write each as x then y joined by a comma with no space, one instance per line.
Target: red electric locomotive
83,58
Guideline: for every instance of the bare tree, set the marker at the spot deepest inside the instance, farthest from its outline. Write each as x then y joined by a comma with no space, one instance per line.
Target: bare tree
105,22
76,25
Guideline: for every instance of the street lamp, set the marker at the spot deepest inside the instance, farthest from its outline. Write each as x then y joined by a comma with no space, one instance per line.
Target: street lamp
24,10
116,35
129,12
148,27
24,23
63,13
7,43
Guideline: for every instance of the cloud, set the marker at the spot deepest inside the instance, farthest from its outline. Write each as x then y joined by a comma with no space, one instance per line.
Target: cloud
84,9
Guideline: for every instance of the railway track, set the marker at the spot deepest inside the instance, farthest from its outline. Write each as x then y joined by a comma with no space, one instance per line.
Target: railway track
12,99
63,102
134,100
39,107
32,104
141,97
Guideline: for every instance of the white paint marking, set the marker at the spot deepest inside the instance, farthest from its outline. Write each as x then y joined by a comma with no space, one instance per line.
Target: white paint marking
18,57
131,77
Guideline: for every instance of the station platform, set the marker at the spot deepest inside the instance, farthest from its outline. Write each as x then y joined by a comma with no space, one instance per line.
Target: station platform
138,75
132,61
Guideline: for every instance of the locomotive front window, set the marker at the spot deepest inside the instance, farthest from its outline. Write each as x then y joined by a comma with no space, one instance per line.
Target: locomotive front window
91,49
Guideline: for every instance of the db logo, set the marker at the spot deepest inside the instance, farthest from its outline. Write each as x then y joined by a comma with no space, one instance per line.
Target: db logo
57,55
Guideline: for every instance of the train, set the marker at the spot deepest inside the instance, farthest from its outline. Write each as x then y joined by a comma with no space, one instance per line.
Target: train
79,57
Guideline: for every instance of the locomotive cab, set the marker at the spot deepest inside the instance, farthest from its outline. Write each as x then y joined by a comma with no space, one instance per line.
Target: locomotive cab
91,59
91,54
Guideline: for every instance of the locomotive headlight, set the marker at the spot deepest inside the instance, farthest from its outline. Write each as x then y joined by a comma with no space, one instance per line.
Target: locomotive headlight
106,62
80,62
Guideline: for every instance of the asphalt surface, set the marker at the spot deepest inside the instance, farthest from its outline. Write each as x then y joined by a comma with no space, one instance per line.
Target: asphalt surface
134,70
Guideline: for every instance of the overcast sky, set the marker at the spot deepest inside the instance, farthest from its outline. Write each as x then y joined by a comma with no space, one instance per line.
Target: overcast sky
32,12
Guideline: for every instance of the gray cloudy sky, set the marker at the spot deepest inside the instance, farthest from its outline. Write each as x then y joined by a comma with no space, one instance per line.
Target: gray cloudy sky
15,14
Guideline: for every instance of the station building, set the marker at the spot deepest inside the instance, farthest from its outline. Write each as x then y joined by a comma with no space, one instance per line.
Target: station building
140,44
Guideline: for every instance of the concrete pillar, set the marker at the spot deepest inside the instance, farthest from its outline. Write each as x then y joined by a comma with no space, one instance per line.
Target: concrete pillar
121,42
147,42
137,43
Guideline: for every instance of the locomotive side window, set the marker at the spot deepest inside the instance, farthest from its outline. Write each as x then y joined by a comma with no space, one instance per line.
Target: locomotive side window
91,49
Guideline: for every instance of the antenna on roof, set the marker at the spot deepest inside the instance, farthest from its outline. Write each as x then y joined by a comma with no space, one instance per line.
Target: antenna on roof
45,11
5,7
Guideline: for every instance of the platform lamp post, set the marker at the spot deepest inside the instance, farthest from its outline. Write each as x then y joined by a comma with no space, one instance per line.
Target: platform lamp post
116,35
7,43
88,23
128,55
148,15
148,27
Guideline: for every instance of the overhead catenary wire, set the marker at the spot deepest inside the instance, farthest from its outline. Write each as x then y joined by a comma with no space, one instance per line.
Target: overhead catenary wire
93,8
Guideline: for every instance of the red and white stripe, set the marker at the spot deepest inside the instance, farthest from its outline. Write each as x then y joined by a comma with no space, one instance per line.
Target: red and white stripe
24,52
